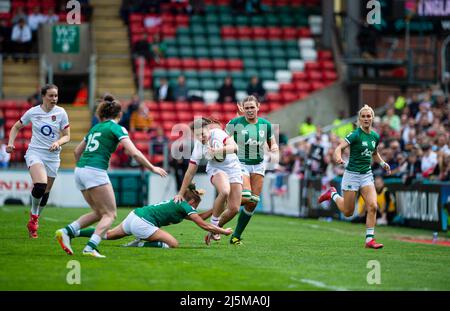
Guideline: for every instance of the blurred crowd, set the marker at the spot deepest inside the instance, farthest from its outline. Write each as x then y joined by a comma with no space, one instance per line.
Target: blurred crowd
414,141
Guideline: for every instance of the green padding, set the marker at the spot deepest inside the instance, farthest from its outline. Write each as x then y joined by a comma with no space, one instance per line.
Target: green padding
271,20
241,20
183,31
172,52
260,44
237,74
276,43
245,43
184,41
260,53
196,20
226,19
158,73
129,198
213,31
293,53
250,73
199,40
130,183
211,19
291,44
256,21
197,30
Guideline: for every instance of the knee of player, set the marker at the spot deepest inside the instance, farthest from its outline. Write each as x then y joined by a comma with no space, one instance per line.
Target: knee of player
372,207
224,192
348,213
39,190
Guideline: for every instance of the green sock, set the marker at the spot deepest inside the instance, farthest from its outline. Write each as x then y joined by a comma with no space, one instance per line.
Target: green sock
70,231
155,244
87,233
244,218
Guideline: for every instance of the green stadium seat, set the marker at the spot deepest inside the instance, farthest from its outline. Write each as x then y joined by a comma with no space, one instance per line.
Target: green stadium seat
210,9
226,19
186,52
192,84
278,53
197,30
201,52
159,73
172,52
247,53
212,30
207,84
279,64
237,74
205,74
211,19
199,41
232,52
276,43
182,31
240,20
173,74
240,84
256,20
250,63
190,74
231,43
217,53
214,41
293,53
196,20
221,74
264,63
263,53
260,44
246,43
266,74
184,41
271,20
251,73
290,44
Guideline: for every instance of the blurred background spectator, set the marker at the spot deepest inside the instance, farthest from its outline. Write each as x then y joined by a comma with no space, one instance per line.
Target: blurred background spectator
227,92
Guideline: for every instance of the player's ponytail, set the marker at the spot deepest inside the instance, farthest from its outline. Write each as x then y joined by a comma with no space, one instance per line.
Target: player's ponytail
109,108
194,194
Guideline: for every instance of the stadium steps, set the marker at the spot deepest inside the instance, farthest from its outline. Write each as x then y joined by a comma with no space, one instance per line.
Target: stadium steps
78,129
114,71
20,80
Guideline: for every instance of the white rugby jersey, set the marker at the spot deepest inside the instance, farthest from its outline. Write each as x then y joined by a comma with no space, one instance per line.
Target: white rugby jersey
200,151
46,126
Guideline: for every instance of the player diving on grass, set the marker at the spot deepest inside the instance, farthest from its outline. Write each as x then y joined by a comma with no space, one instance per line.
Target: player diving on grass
145,223
223,168
251,134
91,177
358,176
50,131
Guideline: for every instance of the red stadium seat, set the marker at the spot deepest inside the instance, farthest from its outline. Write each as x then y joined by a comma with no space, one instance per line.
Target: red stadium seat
229,108
304,32
134,17
139,135
204,63
182,106
273,97
173,63
287,87
290,33
168,31
302,86
288,97
275,106
167,19
235,64
329,75
189,63
185,116
326,64
143,147
317,85
244,32
312,66
264,108
167,107
302,95
324,55
168,116
299,76
219,64
314,75
259,32
228,32
154,107
182,20
274,33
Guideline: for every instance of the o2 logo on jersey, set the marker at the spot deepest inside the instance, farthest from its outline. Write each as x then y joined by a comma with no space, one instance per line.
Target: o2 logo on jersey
46,130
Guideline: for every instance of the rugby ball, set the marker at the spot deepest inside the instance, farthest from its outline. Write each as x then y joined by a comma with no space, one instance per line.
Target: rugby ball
215,143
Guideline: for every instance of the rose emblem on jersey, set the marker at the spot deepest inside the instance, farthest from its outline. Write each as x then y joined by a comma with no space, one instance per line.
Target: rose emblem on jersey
54,118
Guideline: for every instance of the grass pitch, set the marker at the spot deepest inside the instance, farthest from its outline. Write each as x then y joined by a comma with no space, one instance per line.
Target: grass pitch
280,253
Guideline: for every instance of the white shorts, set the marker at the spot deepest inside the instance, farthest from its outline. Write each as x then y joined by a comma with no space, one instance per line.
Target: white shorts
138,227
51,163
248,169
234,174
89,177
353,181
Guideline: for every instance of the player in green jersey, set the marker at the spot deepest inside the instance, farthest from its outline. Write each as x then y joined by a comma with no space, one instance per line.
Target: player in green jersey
251,133
363,144
144,223
91,178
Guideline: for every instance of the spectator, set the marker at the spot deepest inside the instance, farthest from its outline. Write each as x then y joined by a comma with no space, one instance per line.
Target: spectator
429,160
180,90
227,92
35,19
51,17
2,125
21,40
424,112
158,48
158,143
197,7
413,168
164,91
307,127
414,105
127,110
343,130
142,48
141,119
256,89
20,14
238,6
253,7
81,99
4,156
86,9
392,119
5,37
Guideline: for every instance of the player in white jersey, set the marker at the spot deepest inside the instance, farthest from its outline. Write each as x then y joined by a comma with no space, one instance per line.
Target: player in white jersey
223,168
50,131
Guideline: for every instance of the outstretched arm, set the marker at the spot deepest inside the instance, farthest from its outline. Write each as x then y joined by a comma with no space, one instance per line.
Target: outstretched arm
209,227
131,149
188,176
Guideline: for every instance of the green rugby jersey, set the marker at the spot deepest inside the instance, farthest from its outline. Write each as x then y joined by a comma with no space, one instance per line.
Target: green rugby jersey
362,146
165,213
250,138
101,142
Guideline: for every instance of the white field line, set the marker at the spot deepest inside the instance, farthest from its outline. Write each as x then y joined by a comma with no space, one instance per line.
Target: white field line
319,284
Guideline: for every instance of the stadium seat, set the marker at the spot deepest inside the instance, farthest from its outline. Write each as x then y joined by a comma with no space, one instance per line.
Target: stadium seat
273,97
241,95
312,66
204,63
288,97
210,96
296,65
314,75
302,86
287,87
283,76
299,76
271,86
308,54
189,63
234,64
305,43
182,106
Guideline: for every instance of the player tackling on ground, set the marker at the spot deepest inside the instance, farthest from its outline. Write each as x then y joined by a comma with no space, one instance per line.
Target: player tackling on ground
363,144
